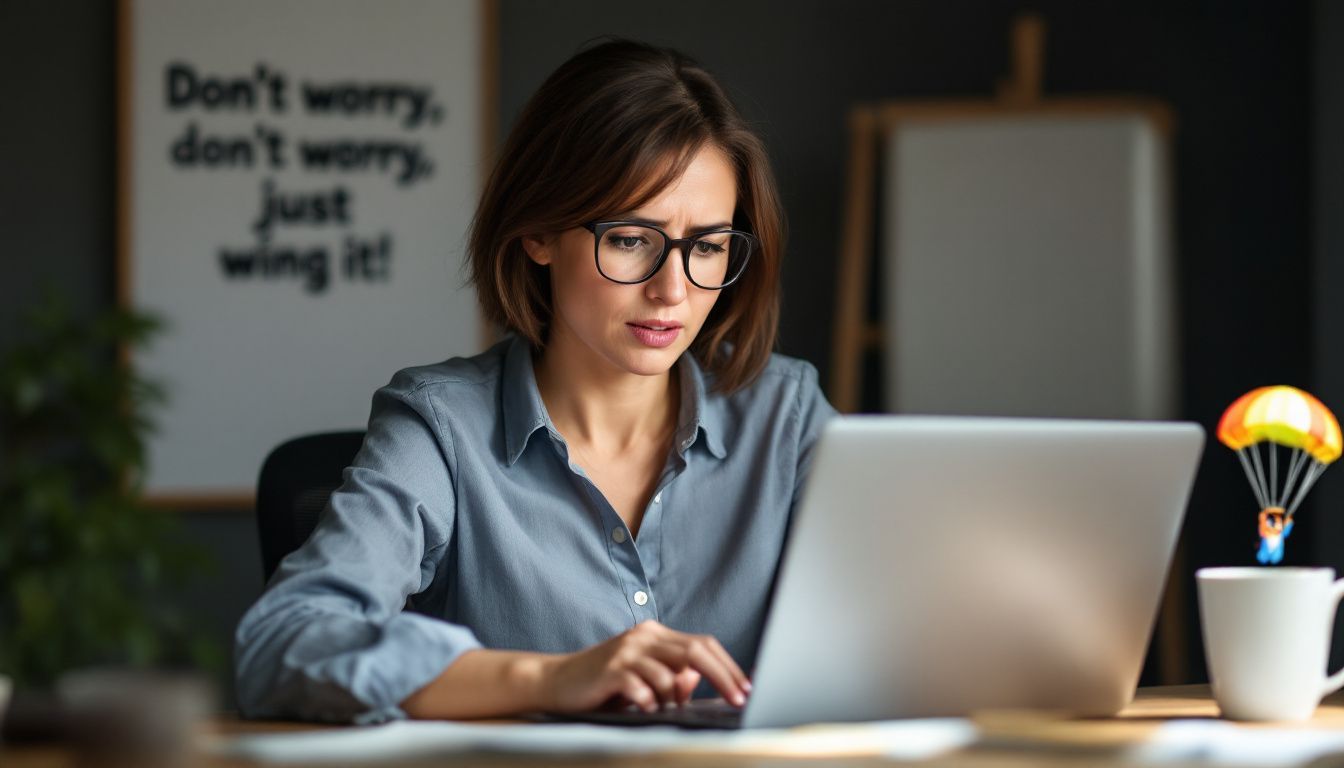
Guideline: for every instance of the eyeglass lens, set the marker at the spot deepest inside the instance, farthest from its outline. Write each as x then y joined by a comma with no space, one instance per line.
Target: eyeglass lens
629,253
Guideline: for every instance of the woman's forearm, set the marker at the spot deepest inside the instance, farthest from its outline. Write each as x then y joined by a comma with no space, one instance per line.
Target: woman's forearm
482,683
648,665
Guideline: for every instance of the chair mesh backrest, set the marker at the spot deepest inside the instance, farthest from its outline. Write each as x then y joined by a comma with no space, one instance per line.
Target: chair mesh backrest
308,506
296,480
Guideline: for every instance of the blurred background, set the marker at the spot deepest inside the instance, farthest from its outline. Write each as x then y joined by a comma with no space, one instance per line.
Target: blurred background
1256,158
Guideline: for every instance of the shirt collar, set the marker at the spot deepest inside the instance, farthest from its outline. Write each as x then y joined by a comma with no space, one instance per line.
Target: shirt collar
700,412
525,413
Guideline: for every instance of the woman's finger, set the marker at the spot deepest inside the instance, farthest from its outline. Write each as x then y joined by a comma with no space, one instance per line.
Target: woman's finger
713,660
688,680
704,653
671,652
658,677
717,648
711,666
638,692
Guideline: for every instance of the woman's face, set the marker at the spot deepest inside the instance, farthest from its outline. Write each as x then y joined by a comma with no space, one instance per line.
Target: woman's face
602,322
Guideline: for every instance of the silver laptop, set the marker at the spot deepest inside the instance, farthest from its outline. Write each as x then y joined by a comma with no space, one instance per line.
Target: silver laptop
942,565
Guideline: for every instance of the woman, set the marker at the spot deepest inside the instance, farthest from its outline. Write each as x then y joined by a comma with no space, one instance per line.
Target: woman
593,510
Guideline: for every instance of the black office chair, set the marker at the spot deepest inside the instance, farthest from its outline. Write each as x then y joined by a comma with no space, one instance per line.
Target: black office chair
296,480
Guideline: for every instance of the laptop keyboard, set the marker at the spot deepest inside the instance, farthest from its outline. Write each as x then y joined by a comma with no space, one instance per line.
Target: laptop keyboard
697,713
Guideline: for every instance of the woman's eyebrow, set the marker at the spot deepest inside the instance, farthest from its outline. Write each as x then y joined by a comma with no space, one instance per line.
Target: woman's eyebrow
694,227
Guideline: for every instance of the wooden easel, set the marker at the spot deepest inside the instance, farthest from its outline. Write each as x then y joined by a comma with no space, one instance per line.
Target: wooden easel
854,333
1019,95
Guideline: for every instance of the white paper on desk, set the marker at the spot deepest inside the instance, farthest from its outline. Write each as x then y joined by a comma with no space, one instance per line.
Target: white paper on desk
1218,742
908,739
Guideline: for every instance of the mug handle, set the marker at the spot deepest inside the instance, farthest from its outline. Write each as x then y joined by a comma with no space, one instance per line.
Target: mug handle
1335,681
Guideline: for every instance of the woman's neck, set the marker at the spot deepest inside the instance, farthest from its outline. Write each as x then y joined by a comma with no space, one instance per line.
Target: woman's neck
599,405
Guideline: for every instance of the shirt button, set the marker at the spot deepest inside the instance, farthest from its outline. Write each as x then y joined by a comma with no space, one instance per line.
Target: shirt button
658,499
618,535
641,598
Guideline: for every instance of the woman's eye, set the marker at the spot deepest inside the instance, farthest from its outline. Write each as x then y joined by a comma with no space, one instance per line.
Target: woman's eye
627,242
706,248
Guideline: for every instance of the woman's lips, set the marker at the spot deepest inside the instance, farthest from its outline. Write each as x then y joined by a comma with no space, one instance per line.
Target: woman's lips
654,338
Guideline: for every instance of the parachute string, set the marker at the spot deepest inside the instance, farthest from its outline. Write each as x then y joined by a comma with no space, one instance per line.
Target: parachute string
1250,476
1301,491
1316,469
1294,468
1274,473
1260,474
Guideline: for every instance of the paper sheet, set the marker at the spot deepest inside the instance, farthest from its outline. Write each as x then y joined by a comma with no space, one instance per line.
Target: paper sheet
905,739
1219,742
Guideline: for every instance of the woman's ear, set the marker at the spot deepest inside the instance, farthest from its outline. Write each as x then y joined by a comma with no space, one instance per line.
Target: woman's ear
538,248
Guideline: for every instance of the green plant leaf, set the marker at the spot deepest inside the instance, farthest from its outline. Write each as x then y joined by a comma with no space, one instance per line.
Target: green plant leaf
84,560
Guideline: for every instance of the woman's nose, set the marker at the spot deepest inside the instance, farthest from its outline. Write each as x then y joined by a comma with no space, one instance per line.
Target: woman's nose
669,283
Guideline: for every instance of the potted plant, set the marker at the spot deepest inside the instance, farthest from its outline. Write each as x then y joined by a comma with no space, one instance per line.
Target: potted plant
86,566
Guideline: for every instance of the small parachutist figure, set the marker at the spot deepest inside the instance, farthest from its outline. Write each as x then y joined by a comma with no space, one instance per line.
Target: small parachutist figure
1274,528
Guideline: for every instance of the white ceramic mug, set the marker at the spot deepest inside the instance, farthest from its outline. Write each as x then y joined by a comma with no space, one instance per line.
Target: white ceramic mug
1267,639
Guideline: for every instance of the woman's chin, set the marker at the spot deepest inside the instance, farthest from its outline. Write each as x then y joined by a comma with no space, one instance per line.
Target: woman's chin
651,362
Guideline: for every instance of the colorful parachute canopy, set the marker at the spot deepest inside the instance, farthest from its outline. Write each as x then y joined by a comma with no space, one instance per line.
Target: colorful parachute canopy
1283,415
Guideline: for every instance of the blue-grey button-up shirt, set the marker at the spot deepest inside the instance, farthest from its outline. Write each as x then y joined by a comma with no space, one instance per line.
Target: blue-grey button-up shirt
463,522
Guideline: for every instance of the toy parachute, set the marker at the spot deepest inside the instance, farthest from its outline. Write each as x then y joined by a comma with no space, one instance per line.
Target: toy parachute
1288,418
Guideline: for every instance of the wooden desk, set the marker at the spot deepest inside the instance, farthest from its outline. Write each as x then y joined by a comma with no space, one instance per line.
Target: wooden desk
1009,740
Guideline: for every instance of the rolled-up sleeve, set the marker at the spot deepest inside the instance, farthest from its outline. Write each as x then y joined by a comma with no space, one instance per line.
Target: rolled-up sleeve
329,639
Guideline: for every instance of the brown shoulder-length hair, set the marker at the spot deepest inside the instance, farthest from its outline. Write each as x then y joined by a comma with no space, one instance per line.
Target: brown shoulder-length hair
607,132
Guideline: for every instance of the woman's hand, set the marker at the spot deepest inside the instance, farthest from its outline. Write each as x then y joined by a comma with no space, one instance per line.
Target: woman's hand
649,665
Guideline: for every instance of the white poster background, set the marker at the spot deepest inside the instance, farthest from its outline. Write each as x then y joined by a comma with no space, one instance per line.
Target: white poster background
251,362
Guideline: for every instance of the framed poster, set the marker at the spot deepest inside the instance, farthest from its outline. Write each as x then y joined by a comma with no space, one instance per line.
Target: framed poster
297,178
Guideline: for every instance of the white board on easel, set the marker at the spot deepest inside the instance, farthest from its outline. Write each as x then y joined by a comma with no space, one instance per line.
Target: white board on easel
1027,267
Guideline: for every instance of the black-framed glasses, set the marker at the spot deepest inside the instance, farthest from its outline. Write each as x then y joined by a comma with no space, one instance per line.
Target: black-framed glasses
631,252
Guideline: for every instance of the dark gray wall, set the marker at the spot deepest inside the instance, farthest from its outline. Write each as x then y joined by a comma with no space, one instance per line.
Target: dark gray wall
56,67
1327,286
1238,74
